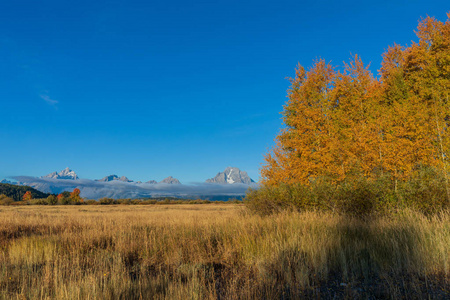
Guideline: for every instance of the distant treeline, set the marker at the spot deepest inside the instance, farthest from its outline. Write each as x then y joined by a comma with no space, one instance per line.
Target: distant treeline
52,200
16,192
14,195
9,194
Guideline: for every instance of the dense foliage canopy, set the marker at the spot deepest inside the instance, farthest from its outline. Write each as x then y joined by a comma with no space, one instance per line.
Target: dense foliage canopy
344,123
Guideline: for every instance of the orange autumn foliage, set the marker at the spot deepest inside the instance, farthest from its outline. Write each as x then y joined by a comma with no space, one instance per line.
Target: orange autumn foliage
27,196
75,195
346,123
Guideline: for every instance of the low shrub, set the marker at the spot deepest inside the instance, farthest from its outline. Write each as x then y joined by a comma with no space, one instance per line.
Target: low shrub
107,201
64,200
124,201
5,200
38,201
425,191
144,202
52,200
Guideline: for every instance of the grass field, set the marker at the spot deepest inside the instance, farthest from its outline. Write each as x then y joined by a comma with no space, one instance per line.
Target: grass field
219,251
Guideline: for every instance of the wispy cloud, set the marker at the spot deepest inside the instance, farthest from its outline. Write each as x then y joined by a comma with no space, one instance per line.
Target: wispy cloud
49,100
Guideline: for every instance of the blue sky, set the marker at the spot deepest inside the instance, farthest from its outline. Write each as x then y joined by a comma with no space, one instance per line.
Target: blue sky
149,89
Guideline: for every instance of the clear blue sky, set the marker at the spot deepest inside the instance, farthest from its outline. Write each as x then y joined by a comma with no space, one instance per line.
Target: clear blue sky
149,89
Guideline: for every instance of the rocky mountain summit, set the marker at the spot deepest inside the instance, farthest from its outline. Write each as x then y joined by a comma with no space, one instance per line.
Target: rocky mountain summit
231,175
64,174
170,180
114,177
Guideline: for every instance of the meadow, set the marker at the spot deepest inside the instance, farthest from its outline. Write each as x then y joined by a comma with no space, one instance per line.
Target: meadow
217,251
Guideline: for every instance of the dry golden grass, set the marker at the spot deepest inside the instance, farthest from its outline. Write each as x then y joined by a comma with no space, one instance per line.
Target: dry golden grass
218,252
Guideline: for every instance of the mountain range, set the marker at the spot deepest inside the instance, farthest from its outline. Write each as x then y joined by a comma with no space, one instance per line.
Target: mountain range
232,182
231,175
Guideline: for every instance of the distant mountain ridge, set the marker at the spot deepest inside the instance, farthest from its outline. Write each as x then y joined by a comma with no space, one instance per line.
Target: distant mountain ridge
67,173
230,176
230,183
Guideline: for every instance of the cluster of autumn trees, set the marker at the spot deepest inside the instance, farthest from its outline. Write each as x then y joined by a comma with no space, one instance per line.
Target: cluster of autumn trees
29,197
64,197
70,197
348,123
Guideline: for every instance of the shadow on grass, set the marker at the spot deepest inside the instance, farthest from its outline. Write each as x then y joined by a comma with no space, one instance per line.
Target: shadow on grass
368,259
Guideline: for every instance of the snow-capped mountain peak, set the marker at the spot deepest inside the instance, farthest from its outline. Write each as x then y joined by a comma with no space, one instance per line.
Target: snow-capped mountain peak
230,176
67,173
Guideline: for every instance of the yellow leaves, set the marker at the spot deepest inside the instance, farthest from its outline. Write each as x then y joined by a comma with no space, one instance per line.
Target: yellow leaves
339,122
